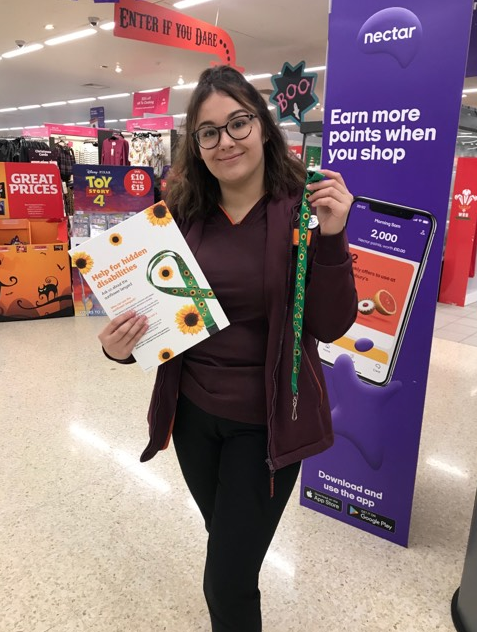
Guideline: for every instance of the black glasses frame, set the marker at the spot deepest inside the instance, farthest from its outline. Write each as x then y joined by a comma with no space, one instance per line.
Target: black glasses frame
219,128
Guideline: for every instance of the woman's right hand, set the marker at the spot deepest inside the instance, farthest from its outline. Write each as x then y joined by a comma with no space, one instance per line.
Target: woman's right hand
122,334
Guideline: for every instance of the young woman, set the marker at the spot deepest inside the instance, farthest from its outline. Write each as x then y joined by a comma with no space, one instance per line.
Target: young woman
239,431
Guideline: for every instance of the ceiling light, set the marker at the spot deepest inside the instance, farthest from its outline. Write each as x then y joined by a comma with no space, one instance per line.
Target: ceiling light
286,124
183,4
469,90
464,96
118,68
107,26
180,81
70,37
30,126
271,107
52,104
85,100
180,115
152,90
264,75
67,123
111,121
29,107
8,109
123,120
31,48
49,27
315,69
185,86
15,128
82,123
115,96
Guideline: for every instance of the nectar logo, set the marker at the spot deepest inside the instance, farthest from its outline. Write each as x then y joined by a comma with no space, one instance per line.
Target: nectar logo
395,31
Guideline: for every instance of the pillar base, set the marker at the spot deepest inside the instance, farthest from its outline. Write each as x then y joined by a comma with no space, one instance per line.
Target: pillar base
459,626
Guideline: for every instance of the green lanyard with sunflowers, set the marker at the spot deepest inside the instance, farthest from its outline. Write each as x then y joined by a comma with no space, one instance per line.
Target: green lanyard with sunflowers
191,289
300,279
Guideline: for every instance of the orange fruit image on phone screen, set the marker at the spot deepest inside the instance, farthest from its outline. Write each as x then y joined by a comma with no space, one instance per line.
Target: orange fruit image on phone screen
383,285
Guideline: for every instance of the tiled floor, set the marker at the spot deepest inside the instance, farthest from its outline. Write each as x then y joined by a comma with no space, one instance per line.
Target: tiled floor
93,541
456,323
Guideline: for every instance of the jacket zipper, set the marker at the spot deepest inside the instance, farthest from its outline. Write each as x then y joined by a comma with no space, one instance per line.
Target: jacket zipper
275,386
320,388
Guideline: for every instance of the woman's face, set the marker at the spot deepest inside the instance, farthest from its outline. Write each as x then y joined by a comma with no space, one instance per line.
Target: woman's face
232,162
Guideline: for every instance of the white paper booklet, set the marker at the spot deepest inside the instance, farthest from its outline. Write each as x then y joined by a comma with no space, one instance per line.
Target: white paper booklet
145,264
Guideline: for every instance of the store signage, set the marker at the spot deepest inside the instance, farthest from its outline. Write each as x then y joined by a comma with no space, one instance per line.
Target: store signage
160,123
294,92
151,102
36,132
30,191
384,133
96,117
40,155
459,256
108,189
71,130
147,22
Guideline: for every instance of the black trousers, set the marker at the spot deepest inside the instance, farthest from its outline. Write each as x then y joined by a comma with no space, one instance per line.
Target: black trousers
223,463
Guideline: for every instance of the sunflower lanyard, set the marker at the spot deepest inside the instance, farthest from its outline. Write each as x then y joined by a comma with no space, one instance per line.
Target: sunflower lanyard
299,301
192,290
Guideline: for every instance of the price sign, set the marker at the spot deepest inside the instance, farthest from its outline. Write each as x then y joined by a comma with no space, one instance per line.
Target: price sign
137,182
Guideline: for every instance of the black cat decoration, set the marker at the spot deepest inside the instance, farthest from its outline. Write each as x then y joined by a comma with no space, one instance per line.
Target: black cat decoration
49,288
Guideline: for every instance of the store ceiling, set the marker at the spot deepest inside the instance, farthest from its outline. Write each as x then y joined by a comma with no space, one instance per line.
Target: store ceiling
265,33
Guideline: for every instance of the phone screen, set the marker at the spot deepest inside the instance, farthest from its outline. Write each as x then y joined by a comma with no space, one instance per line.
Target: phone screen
389,246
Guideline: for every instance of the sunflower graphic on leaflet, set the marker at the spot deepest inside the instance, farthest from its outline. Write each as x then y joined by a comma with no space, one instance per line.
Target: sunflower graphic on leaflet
165,354
83,262
189,321
159,214
115,239
166,273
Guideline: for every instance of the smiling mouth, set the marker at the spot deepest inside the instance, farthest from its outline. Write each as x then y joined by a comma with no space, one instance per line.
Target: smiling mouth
230,158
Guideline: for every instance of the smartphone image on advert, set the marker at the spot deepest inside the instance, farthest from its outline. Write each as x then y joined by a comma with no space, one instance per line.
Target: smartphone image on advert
389,245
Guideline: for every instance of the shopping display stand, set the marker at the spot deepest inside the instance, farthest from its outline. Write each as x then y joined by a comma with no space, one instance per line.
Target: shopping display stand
464,603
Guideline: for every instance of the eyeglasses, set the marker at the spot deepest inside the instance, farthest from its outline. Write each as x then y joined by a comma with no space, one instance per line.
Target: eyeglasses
238,128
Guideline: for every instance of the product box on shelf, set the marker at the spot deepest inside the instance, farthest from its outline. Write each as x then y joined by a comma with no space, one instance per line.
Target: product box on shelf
84,301
35,272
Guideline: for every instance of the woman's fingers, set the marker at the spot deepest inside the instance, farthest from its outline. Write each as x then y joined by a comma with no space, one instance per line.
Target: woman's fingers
122,334
117,322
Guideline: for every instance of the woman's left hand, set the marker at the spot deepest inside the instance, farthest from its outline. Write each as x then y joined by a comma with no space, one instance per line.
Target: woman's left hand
332,201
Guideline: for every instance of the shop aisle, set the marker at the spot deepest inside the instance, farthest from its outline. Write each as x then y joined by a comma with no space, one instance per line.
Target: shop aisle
93,541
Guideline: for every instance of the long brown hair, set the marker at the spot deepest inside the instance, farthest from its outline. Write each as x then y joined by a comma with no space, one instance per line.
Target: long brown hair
192,191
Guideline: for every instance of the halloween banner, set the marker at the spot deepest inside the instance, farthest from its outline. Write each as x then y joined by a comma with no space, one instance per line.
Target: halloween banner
148,22
393,98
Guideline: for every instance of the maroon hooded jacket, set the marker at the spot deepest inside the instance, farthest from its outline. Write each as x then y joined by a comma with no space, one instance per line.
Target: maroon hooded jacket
330,309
